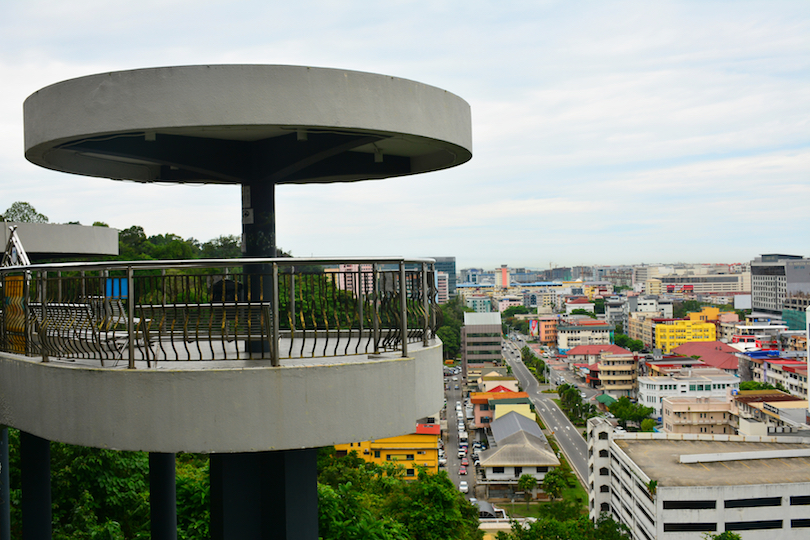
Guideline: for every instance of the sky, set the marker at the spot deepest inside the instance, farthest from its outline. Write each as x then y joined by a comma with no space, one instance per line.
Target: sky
604,133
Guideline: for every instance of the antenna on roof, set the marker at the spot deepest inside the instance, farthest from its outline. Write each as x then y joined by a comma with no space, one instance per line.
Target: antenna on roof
15,254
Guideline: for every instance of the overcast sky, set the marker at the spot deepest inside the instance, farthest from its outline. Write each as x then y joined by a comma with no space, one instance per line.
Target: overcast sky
603,132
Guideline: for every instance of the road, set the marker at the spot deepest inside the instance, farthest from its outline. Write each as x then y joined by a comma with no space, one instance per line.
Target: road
451,444
568,436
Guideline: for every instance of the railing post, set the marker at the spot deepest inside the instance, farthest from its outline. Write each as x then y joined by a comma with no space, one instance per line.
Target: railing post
361,297
292,300
403,309
43,303
26,307
274,338
375,308
131,317
434,301
426,303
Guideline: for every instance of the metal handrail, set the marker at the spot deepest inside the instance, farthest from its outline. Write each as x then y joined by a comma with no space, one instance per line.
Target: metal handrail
203,309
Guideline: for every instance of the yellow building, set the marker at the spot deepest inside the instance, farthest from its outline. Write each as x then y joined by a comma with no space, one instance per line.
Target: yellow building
671,334
411,451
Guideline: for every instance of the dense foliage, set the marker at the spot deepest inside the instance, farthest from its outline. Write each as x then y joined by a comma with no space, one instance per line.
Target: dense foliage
450,331
627,411
572,405
104,494
625,342
580,528
535,364
360,500
22,212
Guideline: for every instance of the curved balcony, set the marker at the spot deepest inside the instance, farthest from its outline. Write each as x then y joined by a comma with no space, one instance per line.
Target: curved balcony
142,313
219,355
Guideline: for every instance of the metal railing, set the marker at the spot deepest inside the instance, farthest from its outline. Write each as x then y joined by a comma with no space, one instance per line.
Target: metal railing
269,309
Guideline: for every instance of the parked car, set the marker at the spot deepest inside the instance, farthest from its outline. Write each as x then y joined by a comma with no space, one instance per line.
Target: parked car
463,487
461,453
465,461
462,470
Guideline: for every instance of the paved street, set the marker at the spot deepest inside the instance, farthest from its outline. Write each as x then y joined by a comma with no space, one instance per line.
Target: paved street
568,437
451,442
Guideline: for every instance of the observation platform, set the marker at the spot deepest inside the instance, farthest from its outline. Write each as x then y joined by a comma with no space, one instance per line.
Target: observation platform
363,345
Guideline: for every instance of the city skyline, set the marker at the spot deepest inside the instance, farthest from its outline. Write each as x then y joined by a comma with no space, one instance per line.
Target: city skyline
602,135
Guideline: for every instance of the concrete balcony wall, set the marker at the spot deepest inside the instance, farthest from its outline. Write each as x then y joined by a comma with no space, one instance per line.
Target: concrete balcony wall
222,409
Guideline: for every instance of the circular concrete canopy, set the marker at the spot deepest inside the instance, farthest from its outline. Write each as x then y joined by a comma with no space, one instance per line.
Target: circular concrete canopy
242,124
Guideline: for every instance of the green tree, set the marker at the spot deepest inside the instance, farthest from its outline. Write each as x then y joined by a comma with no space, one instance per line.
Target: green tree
627,411
580,311
514,310
725,535
23,212
599,306
222,247
756,385
527,483
648,424
555,481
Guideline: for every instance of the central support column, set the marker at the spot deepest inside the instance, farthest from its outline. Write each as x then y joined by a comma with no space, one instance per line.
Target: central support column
259,240
163,496
264,495
35,454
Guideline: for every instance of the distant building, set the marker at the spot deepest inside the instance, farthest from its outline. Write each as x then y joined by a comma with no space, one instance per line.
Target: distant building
697,415
706,382
678,486
480,340
448,266
418,449
572,335
442,287
775,277
521,448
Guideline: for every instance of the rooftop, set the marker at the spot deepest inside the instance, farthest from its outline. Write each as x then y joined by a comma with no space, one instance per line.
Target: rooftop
660,460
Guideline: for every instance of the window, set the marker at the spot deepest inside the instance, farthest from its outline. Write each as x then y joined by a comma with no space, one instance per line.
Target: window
800,523
603,435
497,470
409,472
542,469
800,500
603,471
518,470
409,457
689,505
604,489
690,527
376,453
603,453
753,503
604,507
753,525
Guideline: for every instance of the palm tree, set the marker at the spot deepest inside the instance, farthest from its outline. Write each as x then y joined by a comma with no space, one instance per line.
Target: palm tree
527,483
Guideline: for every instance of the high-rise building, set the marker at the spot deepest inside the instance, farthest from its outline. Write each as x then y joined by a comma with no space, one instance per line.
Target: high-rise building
448,266
774,277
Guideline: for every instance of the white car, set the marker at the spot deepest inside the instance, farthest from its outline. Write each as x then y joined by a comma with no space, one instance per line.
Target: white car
463,486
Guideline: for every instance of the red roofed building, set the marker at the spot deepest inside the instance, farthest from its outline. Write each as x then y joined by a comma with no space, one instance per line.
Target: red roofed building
712,353
482,410
589,354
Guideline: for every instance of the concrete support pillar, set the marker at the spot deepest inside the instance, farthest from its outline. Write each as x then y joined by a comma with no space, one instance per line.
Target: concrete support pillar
163,496
35,454
5,507
259,237
264,495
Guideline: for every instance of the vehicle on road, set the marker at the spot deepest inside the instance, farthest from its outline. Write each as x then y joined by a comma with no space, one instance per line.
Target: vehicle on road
462,470
461,453
465,461
463,486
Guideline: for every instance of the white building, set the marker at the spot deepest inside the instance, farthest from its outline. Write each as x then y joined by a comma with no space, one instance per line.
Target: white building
442,287
678,486
704,382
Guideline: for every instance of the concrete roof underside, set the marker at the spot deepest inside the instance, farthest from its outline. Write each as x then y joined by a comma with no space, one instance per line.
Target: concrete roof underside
659,459
241,124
